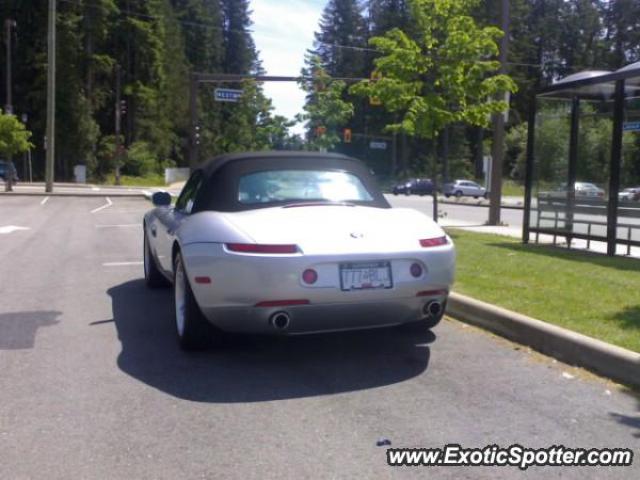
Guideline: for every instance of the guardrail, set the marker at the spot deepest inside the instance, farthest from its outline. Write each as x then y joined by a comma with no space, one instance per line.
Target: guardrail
557,209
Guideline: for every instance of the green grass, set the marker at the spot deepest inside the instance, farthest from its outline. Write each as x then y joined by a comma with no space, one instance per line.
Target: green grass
512,189
146,181
591,294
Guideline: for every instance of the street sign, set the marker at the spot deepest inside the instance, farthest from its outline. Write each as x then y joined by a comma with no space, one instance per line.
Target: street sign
378,145
227,95
631,126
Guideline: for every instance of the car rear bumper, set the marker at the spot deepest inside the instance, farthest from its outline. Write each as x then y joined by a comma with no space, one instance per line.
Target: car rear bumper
239,285
307,319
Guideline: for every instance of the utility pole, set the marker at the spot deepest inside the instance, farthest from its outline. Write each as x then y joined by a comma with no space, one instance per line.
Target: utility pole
51,97
118,125
497,150
8,25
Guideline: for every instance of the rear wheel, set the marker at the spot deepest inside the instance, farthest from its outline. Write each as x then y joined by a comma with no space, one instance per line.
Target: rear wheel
458,193
152,275
193,330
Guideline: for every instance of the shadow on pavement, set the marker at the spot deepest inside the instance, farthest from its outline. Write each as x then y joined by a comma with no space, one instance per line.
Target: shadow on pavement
253,368
629,421
18,330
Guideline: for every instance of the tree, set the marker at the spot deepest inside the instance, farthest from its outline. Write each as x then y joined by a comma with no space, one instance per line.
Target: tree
442,76
325,110
240,51
14,139
342,25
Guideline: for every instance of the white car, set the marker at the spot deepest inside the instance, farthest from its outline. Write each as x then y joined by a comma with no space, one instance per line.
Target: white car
293,243
630,194
467,188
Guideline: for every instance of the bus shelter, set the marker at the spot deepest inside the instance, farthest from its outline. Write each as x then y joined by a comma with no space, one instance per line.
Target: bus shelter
582,171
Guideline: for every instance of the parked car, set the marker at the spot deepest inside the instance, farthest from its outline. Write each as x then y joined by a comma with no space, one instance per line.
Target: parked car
419,186
460,188
630,194
5,168
292,243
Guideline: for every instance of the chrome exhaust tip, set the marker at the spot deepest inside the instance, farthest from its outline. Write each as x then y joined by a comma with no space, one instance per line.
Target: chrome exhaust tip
432,309
280,320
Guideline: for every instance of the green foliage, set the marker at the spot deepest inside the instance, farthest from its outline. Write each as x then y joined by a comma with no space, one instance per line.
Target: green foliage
594,147
327,110
342,23
442,76
14,137
141,160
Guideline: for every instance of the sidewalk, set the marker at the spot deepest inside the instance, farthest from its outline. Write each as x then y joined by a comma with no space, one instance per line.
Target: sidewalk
516,232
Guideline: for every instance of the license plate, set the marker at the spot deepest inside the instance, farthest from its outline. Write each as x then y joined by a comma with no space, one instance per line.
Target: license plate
364,276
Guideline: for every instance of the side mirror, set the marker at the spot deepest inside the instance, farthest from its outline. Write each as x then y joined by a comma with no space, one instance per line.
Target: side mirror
161,199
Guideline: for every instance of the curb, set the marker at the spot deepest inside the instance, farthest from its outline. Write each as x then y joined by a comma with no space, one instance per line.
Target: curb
574,348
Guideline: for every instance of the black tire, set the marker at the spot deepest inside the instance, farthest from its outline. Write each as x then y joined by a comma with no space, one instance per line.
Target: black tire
446,195
458,194
193,330
152,275
475,197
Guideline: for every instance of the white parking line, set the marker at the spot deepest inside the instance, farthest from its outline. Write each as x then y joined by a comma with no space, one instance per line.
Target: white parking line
121,264
124,225
44,200
11,228
107,205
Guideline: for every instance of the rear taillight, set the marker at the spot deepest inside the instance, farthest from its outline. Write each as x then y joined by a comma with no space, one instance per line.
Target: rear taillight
261,248
432,293
433,242
282,303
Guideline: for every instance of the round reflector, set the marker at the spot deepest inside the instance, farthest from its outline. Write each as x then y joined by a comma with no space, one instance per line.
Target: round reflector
310,276
416,270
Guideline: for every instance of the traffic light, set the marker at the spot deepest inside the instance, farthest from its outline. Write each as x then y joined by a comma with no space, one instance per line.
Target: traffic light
123,107
347,135
196,135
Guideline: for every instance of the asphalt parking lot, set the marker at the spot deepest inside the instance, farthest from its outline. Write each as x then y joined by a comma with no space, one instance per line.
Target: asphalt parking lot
93,384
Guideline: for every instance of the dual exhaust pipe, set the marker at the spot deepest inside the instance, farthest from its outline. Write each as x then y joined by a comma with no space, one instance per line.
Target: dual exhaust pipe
280,321
432,309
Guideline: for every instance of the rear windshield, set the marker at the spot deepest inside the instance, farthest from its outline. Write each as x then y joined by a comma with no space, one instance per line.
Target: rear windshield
275,186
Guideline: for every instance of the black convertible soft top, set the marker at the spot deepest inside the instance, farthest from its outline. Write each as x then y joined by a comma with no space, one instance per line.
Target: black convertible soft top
221,176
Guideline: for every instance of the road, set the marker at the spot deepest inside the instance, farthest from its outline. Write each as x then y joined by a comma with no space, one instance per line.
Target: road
94,386
457,215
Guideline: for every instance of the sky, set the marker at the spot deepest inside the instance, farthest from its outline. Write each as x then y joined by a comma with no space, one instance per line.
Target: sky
283,31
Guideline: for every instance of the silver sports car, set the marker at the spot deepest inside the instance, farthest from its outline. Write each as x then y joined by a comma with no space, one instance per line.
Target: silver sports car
293,243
